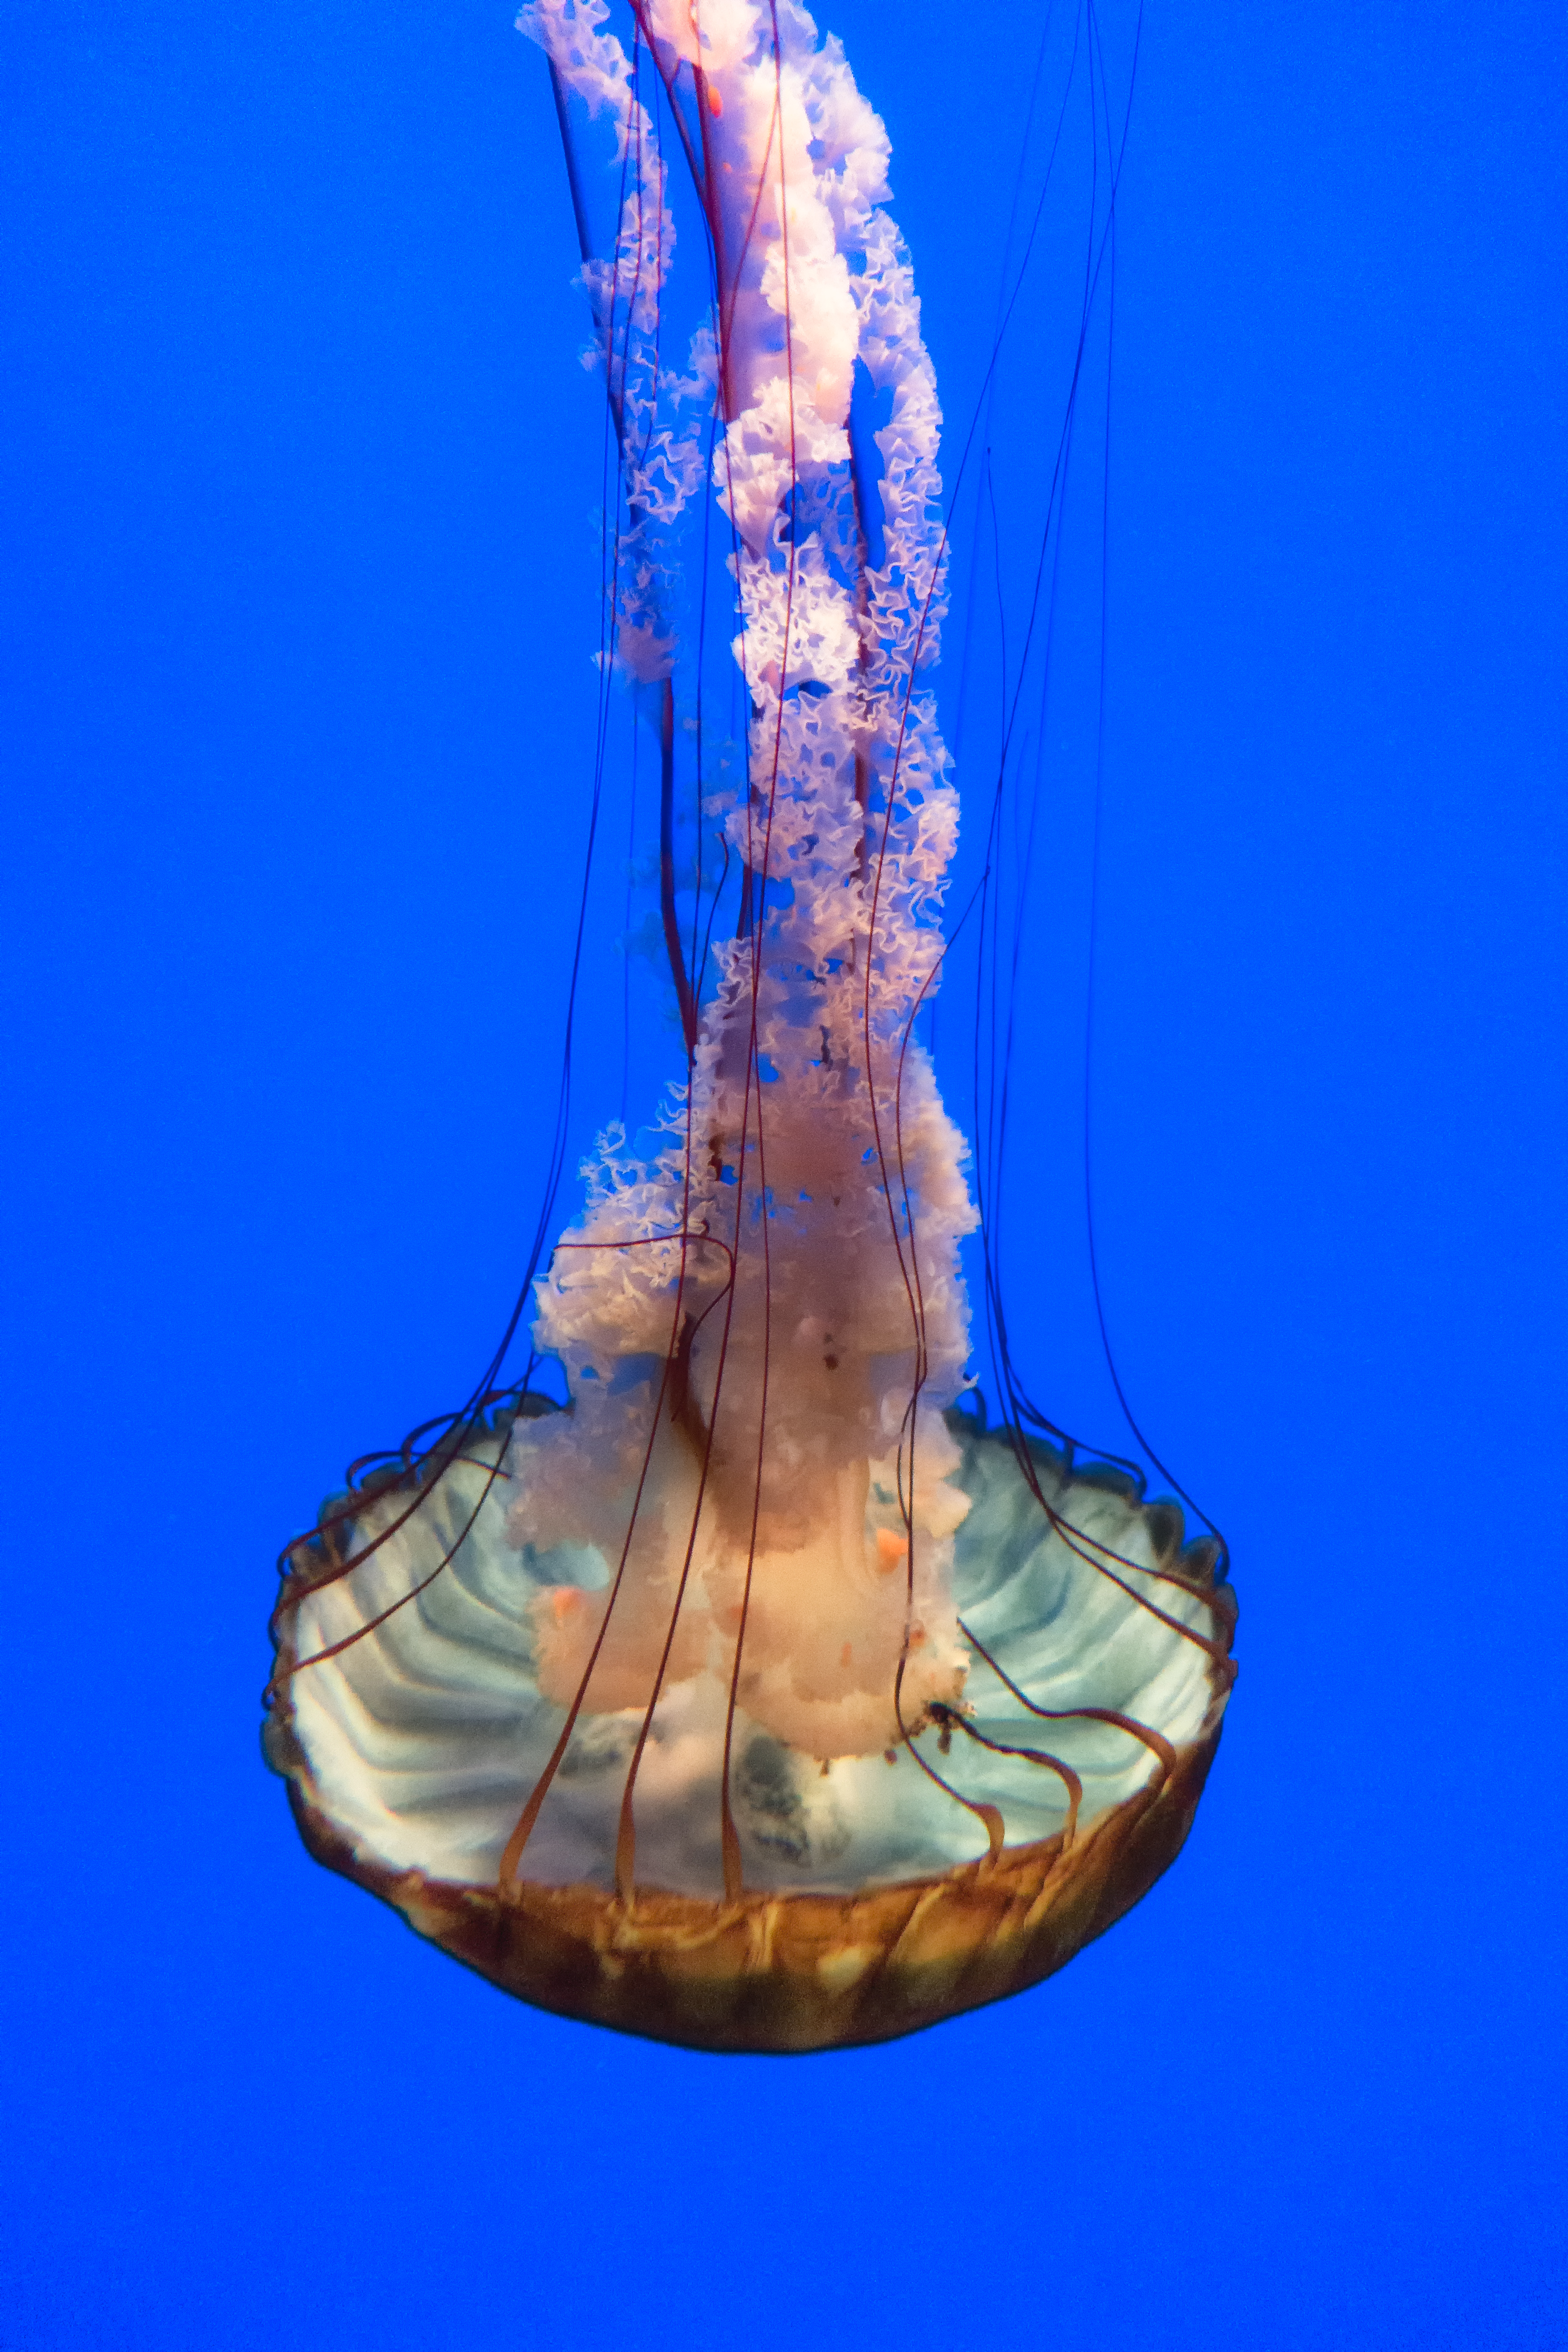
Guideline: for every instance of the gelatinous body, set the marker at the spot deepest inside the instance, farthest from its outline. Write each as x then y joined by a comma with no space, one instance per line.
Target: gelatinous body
758,1695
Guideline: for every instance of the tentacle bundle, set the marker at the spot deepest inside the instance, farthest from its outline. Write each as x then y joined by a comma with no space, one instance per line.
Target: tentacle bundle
761,1329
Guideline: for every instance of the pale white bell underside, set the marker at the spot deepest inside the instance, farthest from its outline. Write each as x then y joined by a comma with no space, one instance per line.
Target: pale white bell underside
425,1737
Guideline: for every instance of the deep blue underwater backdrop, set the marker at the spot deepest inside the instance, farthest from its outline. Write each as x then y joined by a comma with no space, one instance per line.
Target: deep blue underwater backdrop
299,468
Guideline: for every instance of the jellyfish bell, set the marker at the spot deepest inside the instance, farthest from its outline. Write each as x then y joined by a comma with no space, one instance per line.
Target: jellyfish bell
754,1692
867,1901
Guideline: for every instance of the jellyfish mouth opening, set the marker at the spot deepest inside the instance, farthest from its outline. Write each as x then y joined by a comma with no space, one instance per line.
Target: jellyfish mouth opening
822,1600
757,1616
771,1515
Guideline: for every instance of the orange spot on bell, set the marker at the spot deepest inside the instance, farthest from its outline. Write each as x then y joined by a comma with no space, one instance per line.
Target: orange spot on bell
715,103
565,1601
846,1656
892,1550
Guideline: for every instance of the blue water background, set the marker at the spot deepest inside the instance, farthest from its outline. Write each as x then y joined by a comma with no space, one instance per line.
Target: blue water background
299,591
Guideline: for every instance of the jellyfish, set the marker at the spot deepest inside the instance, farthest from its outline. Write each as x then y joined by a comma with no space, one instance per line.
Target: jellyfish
748,1688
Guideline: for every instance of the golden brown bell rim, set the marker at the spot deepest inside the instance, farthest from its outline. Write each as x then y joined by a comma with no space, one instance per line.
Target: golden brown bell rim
782,1973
